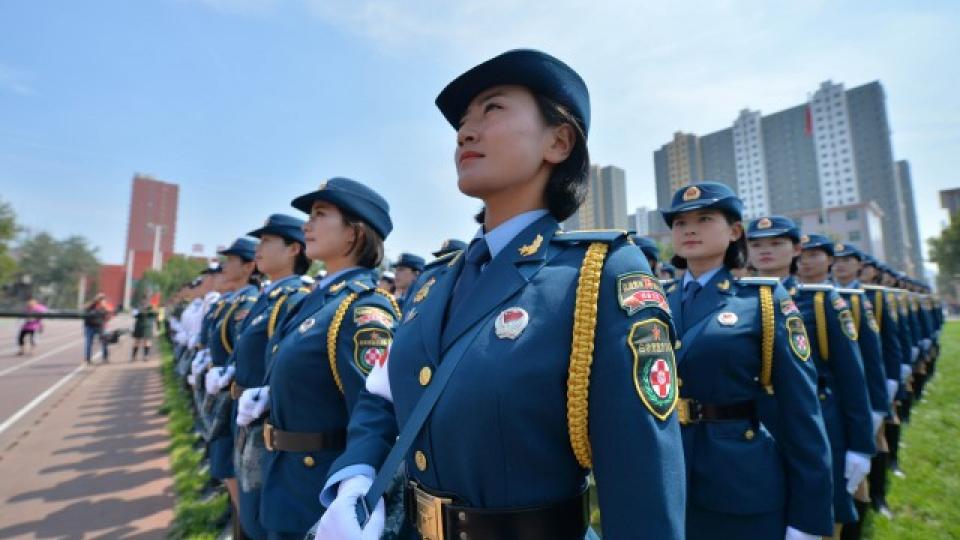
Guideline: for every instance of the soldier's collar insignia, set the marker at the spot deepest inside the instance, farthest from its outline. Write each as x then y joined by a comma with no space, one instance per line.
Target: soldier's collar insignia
764,223
424,290
724,285
335,288
307,325
410,315
532,247
275,293
691,194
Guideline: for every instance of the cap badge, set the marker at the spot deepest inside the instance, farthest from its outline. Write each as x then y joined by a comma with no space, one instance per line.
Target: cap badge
691,194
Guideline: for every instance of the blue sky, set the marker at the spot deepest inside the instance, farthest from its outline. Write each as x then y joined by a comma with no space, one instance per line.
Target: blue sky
248,103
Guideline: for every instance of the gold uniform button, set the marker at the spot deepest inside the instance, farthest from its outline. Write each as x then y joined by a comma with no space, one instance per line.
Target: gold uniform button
309,461
421,460
425,375
823,397
749,434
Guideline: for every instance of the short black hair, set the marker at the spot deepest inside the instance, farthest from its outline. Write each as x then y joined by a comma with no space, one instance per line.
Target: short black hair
736,254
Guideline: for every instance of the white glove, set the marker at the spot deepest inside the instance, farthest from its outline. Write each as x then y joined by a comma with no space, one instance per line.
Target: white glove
793,534
892,385
218,378
200,362
905,371
914,353
877,420
856,467
925,344
192,379
252,404
339,522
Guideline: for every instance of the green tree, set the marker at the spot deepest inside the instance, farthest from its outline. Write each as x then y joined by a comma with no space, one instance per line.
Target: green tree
8,230
176,271
945,251
55,266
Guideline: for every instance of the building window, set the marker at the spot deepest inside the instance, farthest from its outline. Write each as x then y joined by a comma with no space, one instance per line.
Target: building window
854,236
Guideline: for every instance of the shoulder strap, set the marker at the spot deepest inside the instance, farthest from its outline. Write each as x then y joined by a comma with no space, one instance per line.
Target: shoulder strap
820,315
418,417
581,352
768,325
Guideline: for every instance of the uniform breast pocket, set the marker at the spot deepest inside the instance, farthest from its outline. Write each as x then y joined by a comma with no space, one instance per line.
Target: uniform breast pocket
738,470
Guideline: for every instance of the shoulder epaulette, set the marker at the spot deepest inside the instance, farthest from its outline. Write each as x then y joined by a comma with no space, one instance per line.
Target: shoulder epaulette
442,259
874,287
607,236
359,286
816,287
850,291
758,281
667,282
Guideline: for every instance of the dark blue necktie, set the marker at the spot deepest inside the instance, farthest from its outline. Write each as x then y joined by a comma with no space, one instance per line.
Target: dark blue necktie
478,254
689,296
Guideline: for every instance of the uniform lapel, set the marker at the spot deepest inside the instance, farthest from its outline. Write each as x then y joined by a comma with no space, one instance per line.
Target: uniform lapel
431,308
712,298
510,270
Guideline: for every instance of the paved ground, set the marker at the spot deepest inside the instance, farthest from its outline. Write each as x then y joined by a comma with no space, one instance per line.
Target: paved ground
82,449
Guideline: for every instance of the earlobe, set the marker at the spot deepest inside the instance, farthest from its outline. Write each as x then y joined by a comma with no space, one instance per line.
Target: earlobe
561,145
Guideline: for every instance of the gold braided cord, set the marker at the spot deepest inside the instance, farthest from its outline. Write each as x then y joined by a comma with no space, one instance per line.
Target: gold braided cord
274,313
581,352
223,327
332,333
766,344
855,309
894,310
821,319
878,309
393,301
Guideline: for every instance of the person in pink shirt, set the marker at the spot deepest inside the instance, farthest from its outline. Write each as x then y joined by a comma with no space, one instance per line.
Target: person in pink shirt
31,326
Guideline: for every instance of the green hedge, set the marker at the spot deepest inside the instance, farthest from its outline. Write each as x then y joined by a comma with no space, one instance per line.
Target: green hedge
194,517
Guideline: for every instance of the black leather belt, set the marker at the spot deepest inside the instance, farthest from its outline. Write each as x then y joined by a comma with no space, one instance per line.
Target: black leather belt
691,411
301,441
437,518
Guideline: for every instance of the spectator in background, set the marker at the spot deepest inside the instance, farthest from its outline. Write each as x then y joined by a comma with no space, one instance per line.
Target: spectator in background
95,317
145,320
31,326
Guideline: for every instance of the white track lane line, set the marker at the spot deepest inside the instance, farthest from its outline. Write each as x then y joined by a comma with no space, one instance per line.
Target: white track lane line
46,339
39,399
15,367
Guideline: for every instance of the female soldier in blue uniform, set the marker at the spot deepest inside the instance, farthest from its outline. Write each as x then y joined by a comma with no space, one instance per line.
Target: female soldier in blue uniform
562,346
745,359
841,381
241,291
281,258
321,352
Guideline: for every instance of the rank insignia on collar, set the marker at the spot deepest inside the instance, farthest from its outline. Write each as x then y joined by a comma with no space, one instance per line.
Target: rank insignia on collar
410,315
724,285
511,322
727,318
307,325
532,247
797,336
637,290
424,290
275,293
654,367
336,287
764,223
691,194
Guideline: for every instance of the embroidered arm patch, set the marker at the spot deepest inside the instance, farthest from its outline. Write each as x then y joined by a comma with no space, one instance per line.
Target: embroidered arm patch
370,347
846,324
797,336
366,315
637,290
654,366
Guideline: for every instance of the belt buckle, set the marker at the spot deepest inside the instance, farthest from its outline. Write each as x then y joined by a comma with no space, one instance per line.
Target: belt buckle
234,391
688,411
268,436
429,513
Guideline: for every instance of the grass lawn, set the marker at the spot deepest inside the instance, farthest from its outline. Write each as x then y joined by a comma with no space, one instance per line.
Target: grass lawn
925,502
194,517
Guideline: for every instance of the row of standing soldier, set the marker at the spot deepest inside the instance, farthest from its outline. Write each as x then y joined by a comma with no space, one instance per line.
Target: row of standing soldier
515,366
